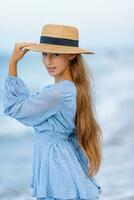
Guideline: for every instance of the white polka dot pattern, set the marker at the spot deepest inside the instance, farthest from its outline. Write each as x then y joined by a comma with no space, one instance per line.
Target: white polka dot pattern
59,164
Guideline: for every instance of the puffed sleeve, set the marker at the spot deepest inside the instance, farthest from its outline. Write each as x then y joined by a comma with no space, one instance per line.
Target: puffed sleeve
29,109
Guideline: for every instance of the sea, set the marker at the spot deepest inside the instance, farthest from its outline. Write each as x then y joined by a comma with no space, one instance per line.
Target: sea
113,87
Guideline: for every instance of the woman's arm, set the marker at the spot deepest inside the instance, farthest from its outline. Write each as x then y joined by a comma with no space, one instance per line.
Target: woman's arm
19,103
30,109
12,68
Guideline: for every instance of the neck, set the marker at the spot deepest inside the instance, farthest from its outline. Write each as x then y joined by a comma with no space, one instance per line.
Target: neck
65,76
62,79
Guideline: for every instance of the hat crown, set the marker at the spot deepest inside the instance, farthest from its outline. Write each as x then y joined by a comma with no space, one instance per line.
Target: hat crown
60,31
59,38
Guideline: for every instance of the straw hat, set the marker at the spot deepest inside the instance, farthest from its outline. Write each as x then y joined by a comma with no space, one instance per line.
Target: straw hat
59,39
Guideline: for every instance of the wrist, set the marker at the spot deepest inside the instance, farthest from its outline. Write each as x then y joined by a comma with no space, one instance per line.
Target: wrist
13,68
12,63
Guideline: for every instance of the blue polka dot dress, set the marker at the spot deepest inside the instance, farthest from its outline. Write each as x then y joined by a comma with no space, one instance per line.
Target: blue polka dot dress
59,163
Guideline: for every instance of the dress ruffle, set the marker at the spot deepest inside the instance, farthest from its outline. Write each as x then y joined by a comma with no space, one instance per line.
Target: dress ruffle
51,198
64,176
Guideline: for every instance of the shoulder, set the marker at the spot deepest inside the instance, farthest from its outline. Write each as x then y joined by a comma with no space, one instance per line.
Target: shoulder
66,90
64,87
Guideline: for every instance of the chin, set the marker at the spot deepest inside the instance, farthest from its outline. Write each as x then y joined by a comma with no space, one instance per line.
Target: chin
51,74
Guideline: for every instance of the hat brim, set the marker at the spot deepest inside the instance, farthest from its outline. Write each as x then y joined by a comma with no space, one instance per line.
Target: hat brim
48,48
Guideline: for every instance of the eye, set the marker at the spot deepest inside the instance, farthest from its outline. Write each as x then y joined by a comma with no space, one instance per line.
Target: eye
56,54
44,54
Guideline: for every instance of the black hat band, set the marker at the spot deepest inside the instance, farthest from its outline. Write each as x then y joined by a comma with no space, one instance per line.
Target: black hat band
59,41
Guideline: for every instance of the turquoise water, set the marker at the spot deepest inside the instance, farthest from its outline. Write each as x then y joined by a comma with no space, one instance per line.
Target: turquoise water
113,71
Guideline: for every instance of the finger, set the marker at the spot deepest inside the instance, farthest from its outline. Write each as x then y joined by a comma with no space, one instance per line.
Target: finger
24,50
26,45
23,43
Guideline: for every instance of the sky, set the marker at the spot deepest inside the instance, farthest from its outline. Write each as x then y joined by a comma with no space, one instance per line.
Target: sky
100,22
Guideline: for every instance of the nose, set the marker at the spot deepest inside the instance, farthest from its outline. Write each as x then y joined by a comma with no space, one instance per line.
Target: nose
48,59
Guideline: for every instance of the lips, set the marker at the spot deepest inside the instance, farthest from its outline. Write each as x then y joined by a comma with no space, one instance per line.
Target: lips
50,69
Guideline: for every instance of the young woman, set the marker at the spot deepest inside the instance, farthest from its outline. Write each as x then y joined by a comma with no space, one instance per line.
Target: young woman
67,149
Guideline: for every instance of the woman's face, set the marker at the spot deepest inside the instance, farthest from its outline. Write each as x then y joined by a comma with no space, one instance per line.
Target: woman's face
56,63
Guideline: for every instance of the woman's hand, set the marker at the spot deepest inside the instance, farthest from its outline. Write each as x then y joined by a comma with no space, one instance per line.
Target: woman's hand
18,53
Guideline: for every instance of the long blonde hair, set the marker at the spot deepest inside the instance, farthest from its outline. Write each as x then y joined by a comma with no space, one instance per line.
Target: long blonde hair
88,131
